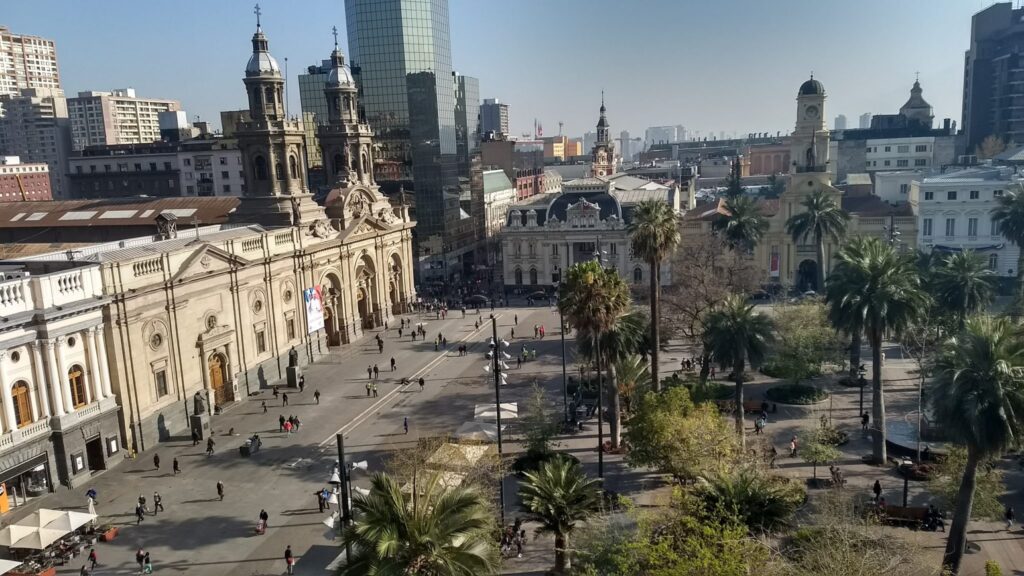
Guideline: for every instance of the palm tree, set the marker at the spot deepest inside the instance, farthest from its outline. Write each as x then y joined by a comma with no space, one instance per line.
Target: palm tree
743,226
963,284
977,394
593,299
631,372
736,335
622,340
1009,216
654,235
874,288
823,218
444,532
559,495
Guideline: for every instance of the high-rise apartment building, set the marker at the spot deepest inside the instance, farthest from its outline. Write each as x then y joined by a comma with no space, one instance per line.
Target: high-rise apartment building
467,119
116,117
993,95
840,123
865,121
493,116
35,127
26,62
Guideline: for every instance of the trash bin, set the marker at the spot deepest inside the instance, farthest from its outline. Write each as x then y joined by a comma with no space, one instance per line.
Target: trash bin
244,450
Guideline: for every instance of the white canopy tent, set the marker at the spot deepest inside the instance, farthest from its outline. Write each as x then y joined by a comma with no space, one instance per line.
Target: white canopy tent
476,430
8,565
11,534
509,411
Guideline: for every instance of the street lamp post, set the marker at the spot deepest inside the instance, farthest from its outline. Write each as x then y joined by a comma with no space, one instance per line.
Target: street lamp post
600,384
561,326
497,405
861,382
346,514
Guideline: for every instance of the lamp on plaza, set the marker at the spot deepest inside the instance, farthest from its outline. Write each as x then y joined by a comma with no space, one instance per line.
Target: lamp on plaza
499,380
561,330
861,382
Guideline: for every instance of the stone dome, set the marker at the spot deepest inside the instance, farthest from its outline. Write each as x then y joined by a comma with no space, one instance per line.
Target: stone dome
812,88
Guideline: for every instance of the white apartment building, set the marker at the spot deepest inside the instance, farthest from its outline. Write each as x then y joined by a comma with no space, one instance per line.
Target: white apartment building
35,127
954,214
116,117
26,62
920,153
894,186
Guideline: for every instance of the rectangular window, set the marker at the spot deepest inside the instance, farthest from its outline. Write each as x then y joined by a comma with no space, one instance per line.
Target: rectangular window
188,161
903,149
993,262
974,194
152,166
160,380
921,162
972,227
289,328
78,169
190,190
138,167
886,163
223,161
994,228
926,227
902,163
888,148
950,226
261,341
904,188
921,148
997,193
167,165
227,188
951,195
613,249
554,249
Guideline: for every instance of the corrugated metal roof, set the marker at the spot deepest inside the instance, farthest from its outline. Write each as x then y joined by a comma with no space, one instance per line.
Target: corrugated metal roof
165,246
113,211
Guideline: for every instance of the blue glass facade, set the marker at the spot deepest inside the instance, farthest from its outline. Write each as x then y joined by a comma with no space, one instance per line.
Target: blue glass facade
401,55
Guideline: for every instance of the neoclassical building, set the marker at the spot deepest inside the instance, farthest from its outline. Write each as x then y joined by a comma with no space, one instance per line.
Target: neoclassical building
59,416
792,264
217,309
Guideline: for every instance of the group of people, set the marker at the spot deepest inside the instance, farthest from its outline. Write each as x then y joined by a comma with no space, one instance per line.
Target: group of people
289,424
513,537
141,509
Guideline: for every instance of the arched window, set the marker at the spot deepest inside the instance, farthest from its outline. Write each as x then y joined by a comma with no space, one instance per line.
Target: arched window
638,275
260,167
993,262
22,404
76,380
519,277
533,276
293,166
279,171
339,163
269,104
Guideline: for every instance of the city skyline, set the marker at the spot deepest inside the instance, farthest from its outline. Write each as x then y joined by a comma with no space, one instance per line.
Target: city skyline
167,62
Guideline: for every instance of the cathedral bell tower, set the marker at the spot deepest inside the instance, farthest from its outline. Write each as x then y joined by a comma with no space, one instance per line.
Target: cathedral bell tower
809,143
347,143
603,154
272,147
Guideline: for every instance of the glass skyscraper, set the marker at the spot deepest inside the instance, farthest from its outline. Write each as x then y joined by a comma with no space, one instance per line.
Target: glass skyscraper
314,107
467,120
401,57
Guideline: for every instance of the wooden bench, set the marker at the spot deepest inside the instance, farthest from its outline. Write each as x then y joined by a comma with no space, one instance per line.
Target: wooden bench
749,406
911,516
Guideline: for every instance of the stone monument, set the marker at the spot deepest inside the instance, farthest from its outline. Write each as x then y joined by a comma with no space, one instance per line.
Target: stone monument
294,372
199,421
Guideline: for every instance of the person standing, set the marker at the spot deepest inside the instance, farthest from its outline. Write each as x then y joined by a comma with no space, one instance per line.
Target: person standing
369,372
158,503
792,447
195,438
289,559
369,389
1010,517
140,514
302,383
864,419
220,489
93,558
421,384
209,446
374,389
263,404
156,461
877,489
319,499
393,364
175,467
264,517
376,372
405,424
284,399
316,396
140,556
280,423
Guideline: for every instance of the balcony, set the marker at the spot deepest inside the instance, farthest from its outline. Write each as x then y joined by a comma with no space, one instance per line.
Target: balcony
68,421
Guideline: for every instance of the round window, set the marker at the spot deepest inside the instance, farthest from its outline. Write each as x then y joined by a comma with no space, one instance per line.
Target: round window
156,340
287,295
257,306
211,322
15,356
71,342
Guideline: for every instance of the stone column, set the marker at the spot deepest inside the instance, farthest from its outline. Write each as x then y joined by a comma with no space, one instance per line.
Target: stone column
94,366
62,374
9,422
101,351
39,391
53,382
204,360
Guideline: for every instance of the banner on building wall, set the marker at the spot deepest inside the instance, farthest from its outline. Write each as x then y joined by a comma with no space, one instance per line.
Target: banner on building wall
314,309
773,269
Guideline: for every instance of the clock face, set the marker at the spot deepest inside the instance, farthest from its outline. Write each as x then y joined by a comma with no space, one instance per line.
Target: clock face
811,112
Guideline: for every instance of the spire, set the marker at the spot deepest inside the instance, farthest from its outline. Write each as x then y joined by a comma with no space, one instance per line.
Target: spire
258,12
602,103
334,30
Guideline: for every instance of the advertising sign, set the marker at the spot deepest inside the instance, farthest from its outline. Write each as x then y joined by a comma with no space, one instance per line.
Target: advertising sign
314,308
773,269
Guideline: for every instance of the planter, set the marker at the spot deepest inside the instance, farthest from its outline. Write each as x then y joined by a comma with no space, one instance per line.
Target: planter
796,399
818,483
109,534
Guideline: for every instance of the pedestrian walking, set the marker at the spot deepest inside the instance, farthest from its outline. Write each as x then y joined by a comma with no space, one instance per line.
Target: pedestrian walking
774,455
175,467
276,392
209,446
284,399
220,489
289,559
792,447
302,383
399,332
393,364
380,347
376,372
158,503
147,564
93,558
1010,517
140,514
422,382
263,405
142,502
195,438
369,372
513,333
405,424
156,461
369,389
264,517
288,426
517,319
519,361
864,419
877,489
319,499
280,423
374,389
316,396
140,555
84,571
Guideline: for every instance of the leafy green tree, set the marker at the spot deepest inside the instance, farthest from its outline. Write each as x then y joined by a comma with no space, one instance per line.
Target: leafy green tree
804,341
963,284
874,288
623,339
654,236
1009,216
443,532
736,334
668,432
822,219
541,425
593,299
763,502
977,395
558,496
989,485
817,449
743,226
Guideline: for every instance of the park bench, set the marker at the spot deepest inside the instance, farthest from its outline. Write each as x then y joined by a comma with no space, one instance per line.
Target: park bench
911,516
749,406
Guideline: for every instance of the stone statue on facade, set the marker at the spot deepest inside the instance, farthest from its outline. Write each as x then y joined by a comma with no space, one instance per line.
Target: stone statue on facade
198,404
293,357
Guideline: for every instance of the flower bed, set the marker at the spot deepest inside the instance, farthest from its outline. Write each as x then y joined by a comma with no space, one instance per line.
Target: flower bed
798,394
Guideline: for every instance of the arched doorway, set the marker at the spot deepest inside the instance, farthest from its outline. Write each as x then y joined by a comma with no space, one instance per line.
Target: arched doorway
22,404
807,276
222,393
363,305
333,336
367,299
396,292
333,317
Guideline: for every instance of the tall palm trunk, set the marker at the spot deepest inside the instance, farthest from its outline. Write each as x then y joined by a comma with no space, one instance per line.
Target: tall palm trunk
956,543
737,371
705,366
614,405
820,249
562,562
655,332
877,399
855,344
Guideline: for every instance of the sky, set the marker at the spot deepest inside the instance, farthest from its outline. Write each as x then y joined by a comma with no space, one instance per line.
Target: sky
711,65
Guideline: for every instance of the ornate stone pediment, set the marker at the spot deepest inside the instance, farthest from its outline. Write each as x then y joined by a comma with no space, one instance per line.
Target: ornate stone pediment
206,260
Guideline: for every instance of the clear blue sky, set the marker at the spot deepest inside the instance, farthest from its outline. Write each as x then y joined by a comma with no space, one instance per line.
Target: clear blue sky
730,65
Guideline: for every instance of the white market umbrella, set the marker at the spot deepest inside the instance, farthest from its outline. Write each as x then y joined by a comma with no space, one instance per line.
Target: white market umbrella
41,518
8,565
39,538
11,534
92,507
450,455
475,430
71,520
509,410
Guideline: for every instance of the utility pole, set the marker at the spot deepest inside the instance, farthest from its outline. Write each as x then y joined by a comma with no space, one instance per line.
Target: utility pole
600,384
497,405
346,514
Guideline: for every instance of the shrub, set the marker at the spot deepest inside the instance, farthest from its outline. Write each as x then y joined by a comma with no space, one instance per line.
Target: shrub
992,568
796,394
761,501
772,369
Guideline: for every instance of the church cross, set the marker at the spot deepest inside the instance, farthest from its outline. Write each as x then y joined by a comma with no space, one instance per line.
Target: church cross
334,30
258,12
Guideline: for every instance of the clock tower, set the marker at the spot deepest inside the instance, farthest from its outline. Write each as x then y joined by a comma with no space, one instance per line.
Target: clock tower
603,155
809,152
